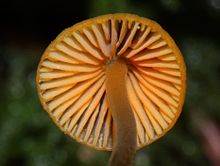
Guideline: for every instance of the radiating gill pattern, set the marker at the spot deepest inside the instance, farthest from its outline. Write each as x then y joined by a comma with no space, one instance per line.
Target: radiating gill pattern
72,80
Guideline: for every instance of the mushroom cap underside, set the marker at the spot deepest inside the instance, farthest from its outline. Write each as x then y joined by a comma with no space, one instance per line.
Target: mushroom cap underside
71,78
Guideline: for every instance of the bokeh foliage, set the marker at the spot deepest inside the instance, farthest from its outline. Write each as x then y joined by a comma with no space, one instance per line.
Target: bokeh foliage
27,135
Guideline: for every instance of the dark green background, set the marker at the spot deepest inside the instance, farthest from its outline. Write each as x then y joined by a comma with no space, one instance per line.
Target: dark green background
27,135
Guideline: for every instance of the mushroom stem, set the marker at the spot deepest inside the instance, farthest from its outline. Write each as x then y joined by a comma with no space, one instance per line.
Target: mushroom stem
125,139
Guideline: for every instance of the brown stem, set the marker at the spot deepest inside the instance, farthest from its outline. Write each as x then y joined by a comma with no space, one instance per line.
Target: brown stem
125,142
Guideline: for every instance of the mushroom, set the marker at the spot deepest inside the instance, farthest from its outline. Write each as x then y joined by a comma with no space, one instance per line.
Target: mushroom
114,82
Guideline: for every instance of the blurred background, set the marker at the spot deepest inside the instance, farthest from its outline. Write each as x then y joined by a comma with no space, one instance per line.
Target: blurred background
27,135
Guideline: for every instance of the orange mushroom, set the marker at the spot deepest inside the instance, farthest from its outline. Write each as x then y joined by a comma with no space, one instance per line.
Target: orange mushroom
115,82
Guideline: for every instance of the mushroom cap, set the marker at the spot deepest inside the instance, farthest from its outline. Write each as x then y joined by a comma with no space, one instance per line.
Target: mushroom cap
71,78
